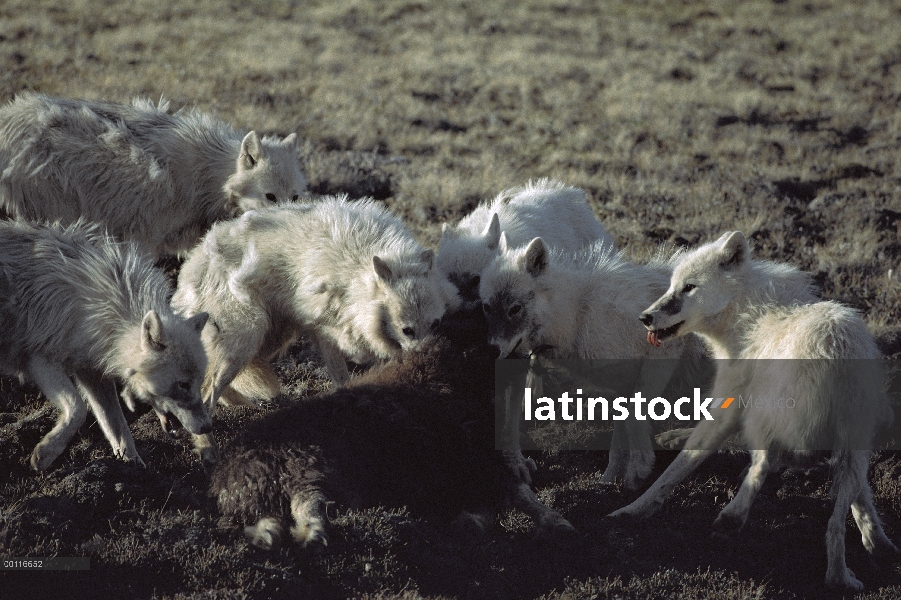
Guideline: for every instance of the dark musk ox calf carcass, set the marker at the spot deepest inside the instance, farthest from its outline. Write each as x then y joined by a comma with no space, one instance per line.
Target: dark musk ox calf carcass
418,432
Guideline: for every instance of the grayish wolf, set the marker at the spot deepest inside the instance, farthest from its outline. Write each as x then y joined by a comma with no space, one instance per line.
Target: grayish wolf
156,178
73,301
559,214
763,312
583,306
349,273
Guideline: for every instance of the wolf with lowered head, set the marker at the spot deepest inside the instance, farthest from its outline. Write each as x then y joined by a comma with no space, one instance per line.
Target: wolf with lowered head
75,303
348,273
582,306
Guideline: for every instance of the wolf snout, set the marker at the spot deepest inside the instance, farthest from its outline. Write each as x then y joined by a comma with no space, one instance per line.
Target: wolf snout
646,318
494,351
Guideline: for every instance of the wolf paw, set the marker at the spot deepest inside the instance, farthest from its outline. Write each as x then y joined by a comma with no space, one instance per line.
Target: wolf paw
43,456
845,580
633,512
521,467
727,524
674,438
557,530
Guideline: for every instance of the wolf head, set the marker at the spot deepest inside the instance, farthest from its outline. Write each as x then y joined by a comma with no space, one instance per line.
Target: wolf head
412,299
702,286
267,171
462,257
167,368
510,290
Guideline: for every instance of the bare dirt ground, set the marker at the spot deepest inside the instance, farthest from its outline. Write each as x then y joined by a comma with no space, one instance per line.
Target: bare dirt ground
681,120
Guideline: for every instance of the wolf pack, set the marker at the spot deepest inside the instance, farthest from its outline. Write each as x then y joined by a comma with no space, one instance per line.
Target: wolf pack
96,192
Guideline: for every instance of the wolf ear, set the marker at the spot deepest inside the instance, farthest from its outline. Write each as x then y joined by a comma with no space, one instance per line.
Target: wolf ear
251,150
290,140
493,233
535,259
381,269
734,250
502,243
152,332
198,321
428,257
448,232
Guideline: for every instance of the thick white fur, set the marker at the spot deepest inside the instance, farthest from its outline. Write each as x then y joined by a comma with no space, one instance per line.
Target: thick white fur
349,273
760,311
147,175
585,306
74,302
559,214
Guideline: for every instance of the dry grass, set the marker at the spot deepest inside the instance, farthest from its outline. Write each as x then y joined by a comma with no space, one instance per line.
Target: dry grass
682,120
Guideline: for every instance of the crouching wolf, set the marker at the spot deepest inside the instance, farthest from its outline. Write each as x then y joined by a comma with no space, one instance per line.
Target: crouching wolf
73,301
349,273
760,311
583,306
415,432
546,208
147,175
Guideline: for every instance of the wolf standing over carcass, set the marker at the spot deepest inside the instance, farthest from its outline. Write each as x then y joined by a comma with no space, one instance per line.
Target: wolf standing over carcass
559,214
583,306
416,432
774,339
146,175
74,302
348,273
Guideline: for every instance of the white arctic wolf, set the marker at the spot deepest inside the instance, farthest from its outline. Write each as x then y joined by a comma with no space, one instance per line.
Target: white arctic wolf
72,301
756,310
147,175
546,208
349,273
583,306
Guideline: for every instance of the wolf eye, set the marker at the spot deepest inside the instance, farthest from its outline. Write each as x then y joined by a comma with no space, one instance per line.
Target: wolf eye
688,287
486,309
435,324
514,309
408,331
271,197
184,385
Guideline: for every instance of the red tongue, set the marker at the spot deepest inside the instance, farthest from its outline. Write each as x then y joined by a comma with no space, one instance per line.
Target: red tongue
652,339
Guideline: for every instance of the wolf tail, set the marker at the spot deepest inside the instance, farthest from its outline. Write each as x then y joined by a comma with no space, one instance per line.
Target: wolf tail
257,381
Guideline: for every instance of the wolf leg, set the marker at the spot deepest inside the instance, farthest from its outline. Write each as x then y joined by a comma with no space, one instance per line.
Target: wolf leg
550,524
334,361
705,439
100,393
846,489
733,517
631,451
867,519
60,390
